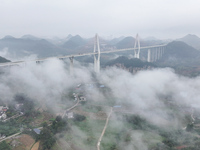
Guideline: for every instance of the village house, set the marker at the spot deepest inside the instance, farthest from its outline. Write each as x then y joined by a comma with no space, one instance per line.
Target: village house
3,116
18,106
82,98
70,115
3,110
37,131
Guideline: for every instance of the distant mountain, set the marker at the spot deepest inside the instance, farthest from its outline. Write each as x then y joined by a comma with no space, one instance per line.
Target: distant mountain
191,40
56,41
26,46
3,60
115,40
181,50
74,42
151,38
134,62
31,37
9,37
178,53
127,42
69,37
184,59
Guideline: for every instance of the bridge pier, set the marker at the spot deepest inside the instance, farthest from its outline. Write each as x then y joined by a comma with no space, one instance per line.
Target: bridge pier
153,55
149,55
97,55
163,50
157,53
71,69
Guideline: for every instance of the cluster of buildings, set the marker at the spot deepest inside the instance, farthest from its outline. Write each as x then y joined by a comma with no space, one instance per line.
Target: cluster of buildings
2,136
19,106
3,110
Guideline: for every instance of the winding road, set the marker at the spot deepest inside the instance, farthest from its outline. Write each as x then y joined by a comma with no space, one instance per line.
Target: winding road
104,129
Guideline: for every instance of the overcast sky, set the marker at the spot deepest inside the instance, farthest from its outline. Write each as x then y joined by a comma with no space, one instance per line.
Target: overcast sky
159,18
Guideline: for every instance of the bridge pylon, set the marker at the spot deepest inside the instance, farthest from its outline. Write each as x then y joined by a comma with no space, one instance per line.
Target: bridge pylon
137,47
97,56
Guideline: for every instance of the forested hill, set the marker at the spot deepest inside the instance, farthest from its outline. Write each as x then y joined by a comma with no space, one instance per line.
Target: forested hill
133,62
191,40
181,50
3,60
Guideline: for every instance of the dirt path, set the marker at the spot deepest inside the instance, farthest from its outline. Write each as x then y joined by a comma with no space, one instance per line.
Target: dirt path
35,146
10,136
104,129
78,100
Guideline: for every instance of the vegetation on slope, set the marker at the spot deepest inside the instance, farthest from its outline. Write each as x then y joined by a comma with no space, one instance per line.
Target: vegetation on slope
3,60
133,62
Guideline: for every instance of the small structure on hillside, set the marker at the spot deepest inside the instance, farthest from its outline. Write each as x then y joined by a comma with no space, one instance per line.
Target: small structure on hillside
37,131
70,115
82,98
2,136
117,106
102,86
18,106
3,116
3,109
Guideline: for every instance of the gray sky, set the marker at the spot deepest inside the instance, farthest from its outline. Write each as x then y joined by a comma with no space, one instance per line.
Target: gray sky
159,18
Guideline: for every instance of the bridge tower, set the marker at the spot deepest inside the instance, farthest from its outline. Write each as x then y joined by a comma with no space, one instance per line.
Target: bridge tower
97,55
137,47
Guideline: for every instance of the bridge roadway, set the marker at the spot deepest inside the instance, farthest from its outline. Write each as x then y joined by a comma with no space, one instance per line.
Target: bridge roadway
77,55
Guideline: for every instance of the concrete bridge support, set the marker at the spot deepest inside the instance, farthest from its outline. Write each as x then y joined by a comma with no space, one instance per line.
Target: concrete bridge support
155,54
149,55
71,65
163,50
96,56
159,53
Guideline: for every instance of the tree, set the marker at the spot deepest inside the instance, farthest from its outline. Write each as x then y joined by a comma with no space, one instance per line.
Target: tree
46,138
59,125
4,146
137,121
79,118
189,127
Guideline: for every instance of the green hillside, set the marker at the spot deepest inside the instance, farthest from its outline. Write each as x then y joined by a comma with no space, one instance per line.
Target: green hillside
133,62
3,60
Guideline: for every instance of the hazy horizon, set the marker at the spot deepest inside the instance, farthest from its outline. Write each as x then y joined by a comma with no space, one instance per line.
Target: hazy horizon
106,37
161,19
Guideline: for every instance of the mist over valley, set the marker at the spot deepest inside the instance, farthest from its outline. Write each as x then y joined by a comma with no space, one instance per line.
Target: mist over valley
99,75
149,105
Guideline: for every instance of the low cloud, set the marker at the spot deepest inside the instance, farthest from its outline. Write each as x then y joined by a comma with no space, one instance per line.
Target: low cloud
145,93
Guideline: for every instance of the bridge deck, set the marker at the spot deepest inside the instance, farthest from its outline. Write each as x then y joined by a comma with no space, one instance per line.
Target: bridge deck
78,55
